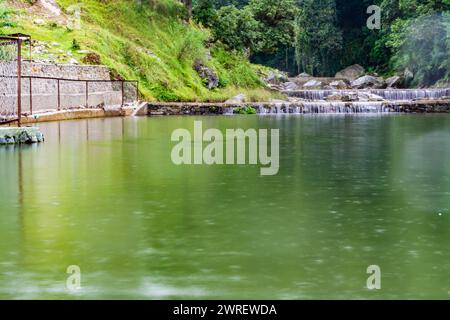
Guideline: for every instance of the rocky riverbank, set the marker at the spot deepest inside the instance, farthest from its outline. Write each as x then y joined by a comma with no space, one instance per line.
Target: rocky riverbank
22,135
353,77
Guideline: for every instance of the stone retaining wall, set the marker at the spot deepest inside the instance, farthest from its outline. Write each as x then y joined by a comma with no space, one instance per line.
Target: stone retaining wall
72,93
66,71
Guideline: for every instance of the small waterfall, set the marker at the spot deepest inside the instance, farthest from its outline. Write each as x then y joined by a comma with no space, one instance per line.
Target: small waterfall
262,110
228,111
388,94
328,107
412,94
278,108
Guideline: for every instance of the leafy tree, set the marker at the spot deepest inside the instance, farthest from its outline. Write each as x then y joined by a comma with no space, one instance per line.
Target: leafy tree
422,45
276,22
5,17
188,5
319,41
204,12
237,29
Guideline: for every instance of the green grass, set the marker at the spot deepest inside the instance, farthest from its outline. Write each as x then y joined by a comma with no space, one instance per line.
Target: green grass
151,43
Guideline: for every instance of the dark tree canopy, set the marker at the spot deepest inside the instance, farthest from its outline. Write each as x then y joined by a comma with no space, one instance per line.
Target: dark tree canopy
322,36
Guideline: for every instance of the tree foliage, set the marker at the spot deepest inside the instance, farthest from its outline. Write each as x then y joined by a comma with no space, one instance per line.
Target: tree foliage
319,41
237,29
260,26
276,20
5,17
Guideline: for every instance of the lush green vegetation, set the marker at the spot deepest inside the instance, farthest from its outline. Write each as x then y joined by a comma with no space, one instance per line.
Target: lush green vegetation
321,37
155,42
245,110
149,41
5,16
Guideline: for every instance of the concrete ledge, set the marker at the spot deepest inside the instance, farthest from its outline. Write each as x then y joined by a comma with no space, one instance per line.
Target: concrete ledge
20,135
76,114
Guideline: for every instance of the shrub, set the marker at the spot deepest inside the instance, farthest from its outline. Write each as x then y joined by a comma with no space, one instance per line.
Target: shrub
75,45
92,58
245,110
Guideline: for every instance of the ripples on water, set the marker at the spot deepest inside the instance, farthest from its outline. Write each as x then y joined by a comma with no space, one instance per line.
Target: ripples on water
352,191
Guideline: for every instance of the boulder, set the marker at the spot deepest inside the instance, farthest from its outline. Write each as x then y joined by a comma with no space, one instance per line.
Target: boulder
351,73
368,82
51,6
39,22
395,82
289,86
408,74
313,84
208,76
339,84
304,75
240,98
275,78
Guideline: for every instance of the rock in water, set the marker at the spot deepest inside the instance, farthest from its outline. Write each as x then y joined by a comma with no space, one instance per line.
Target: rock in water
208,76
365,96
339,84
289,86
313,84
24,137
351,73
368,82
338,97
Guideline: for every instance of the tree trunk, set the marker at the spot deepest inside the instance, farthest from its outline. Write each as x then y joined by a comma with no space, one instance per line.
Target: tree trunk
188,4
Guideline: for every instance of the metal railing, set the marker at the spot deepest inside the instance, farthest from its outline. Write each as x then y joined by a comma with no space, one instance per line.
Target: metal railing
38,94
84,93
11,55
25,94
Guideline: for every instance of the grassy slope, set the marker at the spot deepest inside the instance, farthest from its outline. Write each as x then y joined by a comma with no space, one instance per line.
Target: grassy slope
150,42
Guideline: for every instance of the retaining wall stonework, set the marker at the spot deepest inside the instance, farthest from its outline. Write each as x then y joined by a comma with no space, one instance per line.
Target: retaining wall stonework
72,93
67,71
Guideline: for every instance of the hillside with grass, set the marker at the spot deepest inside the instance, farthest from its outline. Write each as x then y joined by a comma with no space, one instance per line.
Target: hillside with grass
150,41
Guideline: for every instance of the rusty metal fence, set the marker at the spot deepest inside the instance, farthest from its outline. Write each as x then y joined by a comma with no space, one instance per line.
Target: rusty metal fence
44,93
27,95
10,79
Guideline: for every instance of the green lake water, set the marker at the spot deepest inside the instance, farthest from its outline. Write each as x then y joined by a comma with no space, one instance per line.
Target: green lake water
352,191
